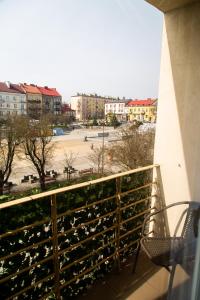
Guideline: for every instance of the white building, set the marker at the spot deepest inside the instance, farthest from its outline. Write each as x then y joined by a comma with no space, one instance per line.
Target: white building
12,100
118,108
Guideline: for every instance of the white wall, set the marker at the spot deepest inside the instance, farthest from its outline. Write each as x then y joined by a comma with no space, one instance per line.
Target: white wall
177,145
12,103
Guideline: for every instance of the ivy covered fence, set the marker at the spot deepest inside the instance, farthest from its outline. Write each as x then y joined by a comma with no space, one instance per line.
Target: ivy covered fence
55,244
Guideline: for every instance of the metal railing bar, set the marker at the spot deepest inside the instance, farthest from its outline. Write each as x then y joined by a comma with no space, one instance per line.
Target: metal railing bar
55,246
26,248
137,189
129,245
136,216
85,206
88,255
86,271
73,187
130,231
86,240
26,269
112,239
86,223
31,286
118,221
134,203
150,232
25,228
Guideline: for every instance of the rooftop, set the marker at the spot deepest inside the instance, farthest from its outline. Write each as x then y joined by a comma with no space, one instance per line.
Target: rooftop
96,96
48,91
8,87
146,102
30,88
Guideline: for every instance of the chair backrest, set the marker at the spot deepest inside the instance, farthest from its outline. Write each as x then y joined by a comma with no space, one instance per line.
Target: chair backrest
188,231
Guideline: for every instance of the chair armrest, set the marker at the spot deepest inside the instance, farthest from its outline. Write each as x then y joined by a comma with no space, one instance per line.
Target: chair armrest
161,210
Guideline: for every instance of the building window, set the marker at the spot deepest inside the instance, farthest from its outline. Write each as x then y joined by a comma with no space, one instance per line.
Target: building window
8,105
7,97
15,105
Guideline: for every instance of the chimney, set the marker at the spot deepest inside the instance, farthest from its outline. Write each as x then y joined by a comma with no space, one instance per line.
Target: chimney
46,87
7,83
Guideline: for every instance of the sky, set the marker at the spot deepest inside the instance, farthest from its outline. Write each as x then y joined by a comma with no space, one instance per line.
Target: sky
108,47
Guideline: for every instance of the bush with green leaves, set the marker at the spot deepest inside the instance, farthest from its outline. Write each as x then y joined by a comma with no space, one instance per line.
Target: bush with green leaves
82,242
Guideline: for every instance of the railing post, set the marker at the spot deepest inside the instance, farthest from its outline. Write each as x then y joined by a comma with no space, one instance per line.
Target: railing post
118,221
55,246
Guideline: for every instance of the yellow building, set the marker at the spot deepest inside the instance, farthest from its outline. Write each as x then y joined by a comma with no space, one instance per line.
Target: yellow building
88,107
142,110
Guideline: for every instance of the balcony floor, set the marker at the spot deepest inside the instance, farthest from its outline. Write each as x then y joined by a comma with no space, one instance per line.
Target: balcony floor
147,283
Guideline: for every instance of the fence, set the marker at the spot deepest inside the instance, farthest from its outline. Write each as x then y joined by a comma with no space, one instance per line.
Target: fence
55,244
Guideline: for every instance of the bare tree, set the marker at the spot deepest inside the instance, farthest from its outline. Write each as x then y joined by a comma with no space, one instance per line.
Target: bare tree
134,149
38,147
70,158
96,158
9,140
68,163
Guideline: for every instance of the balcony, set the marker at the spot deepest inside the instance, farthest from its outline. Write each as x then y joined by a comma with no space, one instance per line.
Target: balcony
147,283
33,108
58,243
34,101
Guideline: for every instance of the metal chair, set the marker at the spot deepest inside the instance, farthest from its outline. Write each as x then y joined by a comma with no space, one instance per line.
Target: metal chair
168,251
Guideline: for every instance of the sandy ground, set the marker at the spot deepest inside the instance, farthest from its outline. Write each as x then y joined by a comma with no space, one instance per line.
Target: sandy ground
74,142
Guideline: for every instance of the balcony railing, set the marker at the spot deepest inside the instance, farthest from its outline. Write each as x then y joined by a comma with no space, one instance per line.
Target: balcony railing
55,244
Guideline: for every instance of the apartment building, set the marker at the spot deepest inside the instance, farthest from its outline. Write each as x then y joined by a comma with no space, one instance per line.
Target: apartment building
51,100
33,100
117,107
142,110
89,106
12,100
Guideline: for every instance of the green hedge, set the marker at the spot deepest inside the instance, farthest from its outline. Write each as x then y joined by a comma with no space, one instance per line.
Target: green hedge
28,213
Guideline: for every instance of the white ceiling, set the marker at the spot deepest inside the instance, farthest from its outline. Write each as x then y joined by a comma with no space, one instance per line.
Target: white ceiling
167,5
